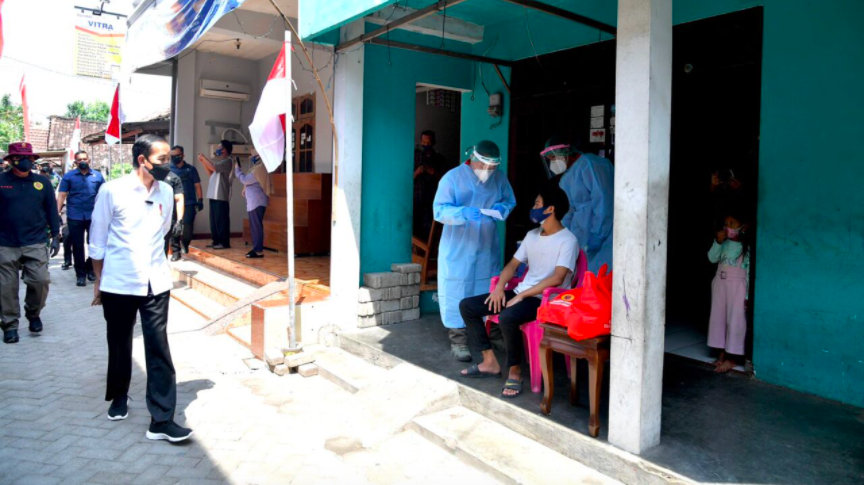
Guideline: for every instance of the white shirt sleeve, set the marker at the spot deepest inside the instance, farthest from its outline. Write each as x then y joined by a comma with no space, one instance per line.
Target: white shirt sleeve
521,253
103,211
568,253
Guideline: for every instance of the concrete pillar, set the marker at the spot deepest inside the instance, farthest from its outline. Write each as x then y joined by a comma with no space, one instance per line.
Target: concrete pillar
345,234
644,52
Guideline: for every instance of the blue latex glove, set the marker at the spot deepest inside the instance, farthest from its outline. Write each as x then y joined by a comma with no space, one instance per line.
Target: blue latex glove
471,213
501,208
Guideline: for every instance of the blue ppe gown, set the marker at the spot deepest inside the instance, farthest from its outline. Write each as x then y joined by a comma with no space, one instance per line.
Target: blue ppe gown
469,253
589,185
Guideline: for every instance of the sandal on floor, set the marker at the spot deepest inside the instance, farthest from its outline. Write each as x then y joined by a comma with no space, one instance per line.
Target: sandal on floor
513,385
474,371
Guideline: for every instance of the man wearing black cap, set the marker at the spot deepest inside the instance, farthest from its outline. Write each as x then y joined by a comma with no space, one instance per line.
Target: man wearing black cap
27,207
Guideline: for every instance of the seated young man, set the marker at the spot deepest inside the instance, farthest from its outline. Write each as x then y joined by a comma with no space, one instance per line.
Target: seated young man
550,252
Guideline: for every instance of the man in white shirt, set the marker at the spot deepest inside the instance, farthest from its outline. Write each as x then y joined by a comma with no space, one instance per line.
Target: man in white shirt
130,219
551,254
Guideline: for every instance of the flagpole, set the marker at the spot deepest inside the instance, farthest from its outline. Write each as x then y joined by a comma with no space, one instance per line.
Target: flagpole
289,198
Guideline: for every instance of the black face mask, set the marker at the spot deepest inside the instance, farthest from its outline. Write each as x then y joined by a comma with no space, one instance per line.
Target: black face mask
83,166
177,159
23,165
159,172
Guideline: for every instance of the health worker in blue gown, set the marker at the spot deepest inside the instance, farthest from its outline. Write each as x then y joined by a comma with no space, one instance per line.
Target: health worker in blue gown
469,248
588,181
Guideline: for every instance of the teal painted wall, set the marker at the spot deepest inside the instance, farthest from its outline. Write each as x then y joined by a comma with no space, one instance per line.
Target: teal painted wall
808,327
316,18
388,140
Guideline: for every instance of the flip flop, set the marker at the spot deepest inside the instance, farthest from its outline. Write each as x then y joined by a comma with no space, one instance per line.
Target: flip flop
513,385
474,371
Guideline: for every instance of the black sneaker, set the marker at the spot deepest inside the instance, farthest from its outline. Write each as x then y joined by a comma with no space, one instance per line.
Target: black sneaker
168,430
82,281
10,336
175,256
91,276
35,324
119,409
66,266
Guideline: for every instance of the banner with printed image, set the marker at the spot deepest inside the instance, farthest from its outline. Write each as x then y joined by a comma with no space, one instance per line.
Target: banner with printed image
99,41
164,28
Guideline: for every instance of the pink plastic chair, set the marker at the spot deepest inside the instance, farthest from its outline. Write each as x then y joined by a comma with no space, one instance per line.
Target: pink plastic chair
532,331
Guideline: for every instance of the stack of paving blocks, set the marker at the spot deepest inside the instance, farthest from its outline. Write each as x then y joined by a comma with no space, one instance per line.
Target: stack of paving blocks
391,297
282,361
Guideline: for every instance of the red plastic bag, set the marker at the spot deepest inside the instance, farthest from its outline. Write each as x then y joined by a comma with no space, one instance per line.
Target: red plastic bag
585,311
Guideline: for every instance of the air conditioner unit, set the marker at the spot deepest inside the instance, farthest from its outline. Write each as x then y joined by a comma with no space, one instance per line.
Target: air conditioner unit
224,90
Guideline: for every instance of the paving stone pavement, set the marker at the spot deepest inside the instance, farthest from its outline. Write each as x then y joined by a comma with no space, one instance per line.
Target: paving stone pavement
250,426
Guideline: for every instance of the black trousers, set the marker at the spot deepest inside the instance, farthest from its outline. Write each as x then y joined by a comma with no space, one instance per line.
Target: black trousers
120,312
67,247
220,222
182,242
78,240
473,311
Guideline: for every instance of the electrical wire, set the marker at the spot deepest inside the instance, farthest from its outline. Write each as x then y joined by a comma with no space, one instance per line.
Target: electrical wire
531,41
266,34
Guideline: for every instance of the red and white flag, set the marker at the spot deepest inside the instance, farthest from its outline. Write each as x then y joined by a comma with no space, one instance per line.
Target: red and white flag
112,133
23,89
1,28
268,125
74,144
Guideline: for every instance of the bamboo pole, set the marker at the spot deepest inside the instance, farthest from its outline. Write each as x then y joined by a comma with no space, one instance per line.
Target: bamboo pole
327,104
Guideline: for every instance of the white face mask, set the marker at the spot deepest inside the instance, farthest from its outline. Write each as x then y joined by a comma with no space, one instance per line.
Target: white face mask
558,166
483,175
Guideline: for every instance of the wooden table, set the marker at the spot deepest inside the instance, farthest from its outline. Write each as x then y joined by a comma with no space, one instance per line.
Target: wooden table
595,350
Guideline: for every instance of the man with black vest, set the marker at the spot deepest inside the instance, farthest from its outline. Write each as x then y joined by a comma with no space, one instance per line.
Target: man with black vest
27,208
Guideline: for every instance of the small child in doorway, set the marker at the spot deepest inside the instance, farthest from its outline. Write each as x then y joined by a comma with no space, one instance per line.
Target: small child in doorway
727,324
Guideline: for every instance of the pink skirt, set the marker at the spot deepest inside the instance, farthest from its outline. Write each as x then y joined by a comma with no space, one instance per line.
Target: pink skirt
727,325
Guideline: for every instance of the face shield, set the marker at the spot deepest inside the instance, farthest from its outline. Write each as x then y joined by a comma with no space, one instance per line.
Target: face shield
485,159
555,158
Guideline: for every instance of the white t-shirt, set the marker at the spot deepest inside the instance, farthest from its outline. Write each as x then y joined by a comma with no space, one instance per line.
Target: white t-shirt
544,253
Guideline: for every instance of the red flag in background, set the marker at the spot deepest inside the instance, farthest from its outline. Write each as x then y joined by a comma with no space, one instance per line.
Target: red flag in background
112,133
23,89
74,145
1,28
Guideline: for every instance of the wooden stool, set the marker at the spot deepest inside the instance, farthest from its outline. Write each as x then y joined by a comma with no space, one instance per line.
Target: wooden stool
595,350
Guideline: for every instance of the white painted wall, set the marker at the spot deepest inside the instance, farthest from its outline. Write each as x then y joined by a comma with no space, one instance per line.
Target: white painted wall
193,111
345,235
306,84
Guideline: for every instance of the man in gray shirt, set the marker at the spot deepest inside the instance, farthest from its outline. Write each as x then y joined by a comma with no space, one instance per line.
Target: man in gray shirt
219,193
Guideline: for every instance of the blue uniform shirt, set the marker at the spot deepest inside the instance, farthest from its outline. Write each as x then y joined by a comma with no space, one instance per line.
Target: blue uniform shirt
82,190
189,176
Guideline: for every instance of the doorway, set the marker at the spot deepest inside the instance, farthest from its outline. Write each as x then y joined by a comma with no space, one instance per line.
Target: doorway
715,127
437,150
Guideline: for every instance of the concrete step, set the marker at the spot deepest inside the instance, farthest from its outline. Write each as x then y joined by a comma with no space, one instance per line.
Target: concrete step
501,452
596,453
238,270
346,370
197,302
214,284
371,354
184,319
